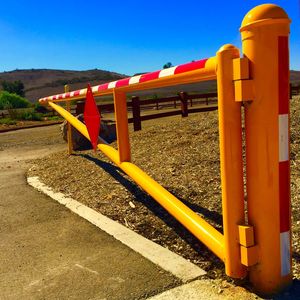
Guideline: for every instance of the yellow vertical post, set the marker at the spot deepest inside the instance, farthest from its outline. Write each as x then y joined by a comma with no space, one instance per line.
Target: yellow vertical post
69,128
265,31
230,133
122,126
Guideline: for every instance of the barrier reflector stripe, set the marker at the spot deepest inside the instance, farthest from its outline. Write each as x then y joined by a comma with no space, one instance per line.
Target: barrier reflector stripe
283,149
150,76
95,88
167,72
112,85
135,79
82,92
200,64
284,195
283,70
283,123
122,82
285,253
76,93
103,87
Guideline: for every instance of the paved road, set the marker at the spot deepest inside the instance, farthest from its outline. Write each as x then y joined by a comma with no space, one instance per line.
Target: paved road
46,252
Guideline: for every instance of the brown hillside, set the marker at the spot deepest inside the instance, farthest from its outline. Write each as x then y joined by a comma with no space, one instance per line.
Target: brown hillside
42,82
295,77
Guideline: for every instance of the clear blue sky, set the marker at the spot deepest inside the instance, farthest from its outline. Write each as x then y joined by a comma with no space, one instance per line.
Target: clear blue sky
124,36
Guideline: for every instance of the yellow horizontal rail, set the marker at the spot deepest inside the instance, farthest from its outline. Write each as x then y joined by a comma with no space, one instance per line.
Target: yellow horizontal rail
206,233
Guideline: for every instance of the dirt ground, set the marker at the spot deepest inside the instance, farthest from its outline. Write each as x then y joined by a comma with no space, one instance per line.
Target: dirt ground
182,154
27,124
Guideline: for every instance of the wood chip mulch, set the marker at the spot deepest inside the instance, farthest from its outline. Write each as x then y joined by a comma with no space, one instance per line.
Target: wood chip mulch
182,154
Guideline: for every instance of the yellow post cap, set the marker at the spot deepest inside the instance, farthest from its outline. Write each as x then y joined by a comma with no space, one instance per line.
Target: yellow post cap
264,14
227,47
235,52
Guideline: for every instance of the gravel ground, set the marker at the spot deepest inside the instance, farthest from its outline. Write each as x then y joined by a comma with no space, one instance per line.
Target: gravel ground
26,124
183,156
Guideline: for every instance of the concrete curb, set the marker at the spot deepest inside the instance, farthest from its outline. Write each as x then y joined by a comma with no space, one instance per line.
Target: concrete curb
167,260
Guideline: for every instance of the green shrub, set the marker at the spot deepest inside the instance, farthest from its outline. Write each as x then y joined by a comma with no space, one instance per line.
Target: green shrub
7,121
16,87
8,101
27,114
31,116
16,114
54,118
4,104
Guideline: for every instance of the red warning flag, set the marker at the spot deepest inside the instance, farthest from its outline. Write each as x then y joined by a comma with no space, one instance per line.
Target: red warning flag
91,117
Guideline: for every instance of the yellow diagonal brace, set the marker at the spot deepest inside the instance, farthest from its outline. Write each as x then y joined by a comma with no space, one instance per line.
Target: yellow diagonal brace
206,233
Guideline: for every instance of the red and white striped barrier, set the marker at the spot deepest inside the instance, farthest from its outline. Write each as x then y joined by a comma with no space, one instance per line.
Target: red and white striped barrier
200,64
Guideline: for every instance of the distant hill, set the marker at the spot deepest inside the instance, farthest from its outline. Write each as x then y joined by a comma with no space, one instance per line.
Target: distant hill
44,82
295,77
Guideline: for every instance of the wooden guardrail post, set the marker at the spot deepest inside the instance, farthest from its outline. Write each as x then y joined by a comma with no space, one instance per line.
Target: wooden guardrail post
69,128
79,107
184,104
136,113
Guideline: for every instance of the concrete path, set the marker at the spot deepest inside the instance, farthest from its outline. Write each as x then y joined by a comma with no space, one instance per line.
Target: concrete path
46,252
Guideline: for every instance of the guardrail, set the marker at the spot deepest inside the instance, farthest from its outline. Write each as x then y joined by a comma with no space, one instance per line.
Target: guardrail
294,90
136,106
256,241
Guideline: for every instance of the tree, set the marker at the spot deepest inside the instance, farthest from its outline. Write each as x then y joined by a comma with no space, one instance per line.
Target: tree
15,87
167,65
8,101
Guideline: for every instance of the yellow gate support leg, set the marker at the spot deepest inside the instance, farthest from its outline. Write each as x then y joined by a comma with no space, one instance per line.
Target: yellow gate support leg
265,31
230,132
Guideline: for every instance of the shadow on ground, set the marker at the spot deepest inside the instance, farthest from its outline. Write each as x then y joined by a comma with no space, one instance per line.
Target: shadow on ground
292,293
139,195
142,197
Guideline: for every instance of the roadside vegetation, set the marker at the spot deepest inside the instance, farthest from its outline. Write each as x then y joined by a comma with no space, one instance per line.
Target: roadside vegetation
12,101
15,116
15,108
